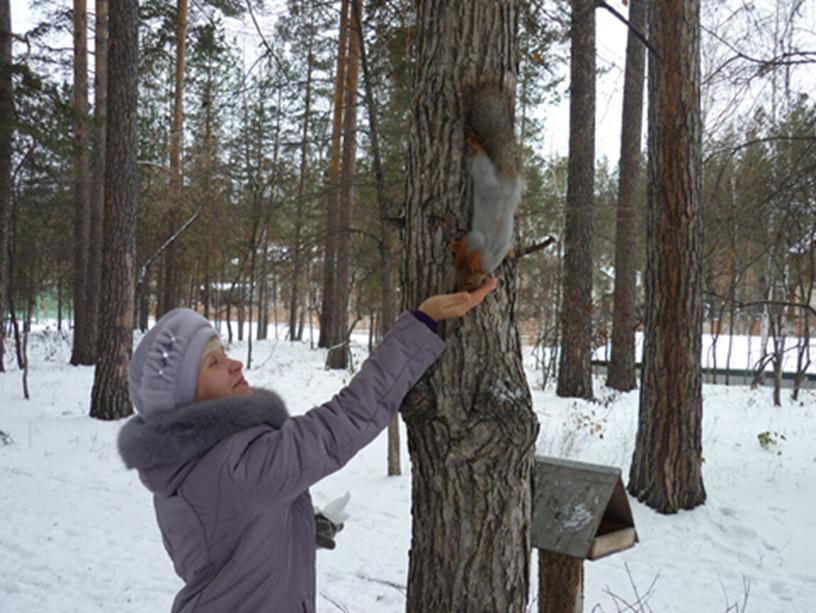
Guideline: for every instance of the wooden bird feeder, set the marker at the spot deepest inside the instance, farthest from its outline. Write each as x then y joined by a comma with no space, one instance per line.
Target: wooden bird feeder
580,512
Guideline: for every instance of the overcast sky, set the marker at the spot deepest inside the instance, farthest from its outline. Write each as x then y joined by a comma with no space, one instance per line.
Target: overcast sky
610,41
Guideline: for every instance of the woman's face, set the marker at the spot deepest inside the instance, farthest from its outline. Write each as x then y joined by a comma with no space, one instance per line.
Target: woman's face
219,376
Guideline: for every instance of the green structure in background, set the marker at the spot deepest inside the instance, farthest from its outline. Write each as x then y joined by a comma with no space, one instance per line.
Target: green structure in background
46,310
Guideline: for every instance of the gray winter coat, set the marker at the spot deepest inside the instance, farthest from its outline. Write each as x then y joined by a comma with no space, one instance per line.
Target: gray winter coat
230,478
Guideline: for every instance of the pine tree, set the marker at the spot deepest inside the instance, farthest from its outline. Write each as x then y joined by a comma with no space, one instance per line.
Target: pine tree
666,471
6,131
97,195
110,398
621,374
329,308
83,348
575,367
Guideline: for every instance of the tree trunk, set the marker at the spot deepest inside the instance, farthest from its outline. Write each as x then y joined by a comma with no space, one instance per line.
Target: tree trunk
110,398
621,374
258,218
560,583
171,281
387,310
275,300
229,318
301,322
734,271
328,307
83,348
338,354
312,298
144,303
263,290
209,157
97,197
471,428
269,210
304,161
26,330
207,285
12,286
575,366
666,467
59,313
778,339
6,132
239,309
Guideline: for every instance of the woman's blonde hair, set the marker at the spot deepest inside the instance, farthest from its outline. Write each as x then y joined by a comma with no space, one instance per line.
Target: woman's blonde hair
214,344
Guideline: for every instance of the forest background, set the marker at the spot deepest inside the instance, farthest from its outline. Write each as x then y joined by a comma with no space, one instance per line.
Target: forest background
316,178
233,211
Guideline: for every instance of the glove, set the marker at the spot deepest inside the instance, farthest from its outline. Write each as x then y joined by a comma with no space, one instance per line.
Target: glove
325,531
329,522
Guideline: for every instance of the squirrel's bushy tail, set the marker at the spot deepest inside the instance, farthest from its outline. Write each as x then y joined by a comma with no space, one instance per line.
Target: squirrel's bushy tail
490,120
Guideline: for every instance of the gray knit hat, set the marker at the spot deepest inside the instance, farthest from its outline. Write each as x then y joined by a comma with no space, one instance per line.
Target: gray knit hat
163,372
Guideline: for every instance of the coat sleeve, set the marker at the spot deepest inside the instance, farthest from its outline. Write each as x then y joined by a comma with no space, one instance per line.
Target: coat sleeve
275,466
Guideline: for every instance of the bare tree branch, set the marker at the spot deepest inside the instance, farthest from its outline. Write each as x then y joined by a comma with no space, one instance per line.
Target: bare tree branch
533,248
165,245
808,57
632,29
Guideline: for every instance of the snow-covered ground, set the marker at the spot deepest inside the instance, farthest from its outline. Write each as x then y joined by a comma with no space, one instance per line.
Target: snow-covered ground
79,533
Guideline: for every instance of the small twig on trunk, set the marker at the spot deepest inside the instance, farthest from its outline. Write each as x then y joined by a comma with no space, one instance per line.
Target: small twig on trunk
533,248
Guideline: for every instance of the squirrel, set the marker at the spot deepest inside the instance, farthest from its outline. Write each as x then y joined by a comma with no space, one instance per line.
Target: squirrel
497,186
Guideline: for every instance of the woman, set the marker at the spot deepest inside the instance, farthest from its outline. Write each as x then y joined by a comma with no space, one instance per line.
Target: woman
230,471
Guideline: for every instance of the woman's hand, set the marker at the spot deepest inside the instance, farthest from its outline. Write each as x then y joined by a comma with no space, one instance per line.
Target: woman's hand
447,306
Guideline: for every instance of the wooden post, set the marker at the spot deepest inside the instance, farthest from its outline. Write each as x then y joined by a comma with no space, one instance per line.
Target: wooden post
580,512
560,583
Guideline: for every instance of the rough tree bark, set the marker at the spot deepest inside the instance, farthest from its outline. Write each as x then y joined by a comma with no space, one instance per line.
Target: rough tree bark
621,375
110,398
338,353
328,307
666,471
82,351
6,131
97,196
575,366
471,428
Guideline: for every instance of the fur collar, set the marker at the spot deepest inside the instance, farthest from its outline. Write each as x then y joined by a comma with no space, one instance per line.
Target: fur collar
187,432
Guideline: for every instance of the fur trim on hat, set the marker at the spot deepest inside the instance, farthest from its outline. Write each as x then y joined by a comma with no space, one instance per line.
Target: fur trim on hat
187,432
